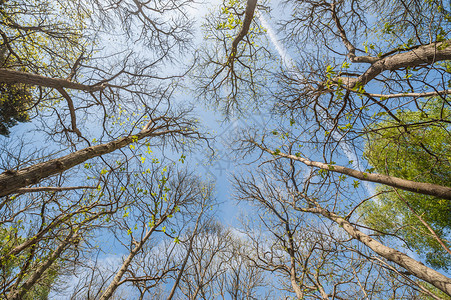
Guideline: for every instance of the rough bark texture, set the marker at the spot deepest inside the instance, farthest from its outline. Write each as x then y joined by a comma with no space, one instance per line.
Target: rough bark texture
12,76
423,55
53,189
291,252
408,185
414,267
12,181
294,283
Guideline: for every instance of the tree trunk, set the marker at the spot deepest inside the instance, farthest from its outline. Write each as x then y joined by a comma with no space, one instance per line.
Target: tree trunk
12,76
12,181
423,55
414,267
117,278
32,280
294,283
408,185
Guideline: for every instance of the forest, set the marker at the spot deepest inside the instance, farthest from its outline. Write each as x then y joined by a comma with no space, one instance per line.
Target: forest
111,111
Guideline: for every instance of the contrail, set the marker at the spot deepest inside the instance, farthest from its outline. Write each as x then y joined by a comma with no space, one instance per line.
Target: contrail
286,58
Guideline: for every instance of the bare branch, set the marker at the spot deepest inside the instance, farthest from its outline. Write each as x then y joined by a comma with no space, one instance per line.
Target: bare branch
52,189
349,46
70,104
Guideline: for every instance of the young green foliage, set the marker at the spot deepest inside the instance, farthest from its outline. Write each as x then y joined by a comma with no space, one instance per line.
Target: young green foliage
417,150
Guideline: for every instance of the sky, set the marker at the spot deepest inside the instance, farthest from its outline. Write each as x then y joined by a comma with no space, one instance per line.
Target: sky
225,163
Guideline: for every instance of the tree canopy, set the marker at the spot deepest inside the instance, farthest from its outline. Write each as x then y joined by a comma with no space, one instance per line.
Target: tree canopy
419,152
343,192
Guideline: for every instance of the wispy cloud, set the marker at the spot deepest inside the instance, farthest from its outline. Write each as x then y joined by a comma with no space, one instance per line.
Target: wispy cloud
287,60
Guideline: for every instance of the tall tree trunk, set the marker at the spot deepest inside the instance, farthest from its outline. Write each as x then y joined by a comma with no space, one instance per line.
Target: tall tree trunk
414,267
117,278
12,76
12,181
294,283
19,294
408,185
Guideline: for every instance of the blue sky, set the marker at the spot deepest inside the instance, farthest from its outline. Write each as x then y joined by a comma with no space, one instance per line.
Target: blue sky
225,162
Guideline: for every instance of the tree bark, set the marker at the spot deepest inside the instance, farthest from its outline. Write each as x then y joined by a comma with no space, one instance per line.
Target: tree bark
294,284
408,185
423,55
53,189
414,267
12,181
12,76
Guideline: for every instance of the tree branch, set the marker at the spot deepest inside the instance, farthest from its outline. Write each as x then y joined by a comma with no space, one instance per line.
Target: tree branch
12,76
350,47
52,189
11,181
249,15
432,231
415,95
138,246
47,263
408,185
423,55
411,265
70,104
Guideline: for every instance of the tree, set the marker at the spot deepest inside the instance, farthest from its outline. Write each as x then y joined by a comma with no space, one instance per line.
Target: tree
54,52
13,181
356,76
311,255
14,104
10,239
353,73
216,267
418,153
168,196
232,66
135,206
54,47
15,100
